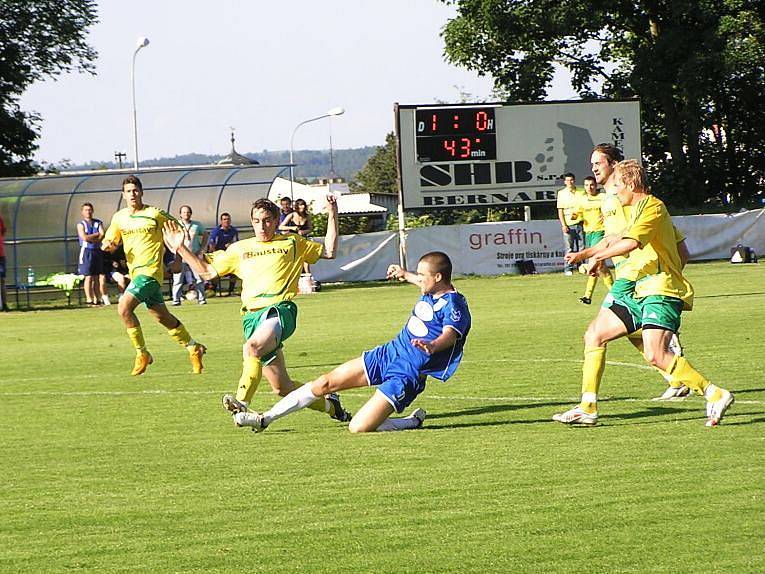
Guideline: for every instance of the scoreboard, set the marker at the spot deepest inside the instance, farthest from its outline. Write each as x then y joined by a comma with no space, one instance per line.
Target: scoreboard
470,155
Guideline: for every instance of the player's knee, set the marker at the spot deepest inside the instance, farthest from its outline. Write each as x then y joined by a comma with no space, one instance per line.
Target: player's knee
358,426
252,349
592,337
322,386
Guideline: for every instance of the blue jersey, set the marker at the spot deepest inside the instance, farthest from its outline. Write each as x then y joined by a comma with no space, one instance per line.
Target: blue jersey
94,226
430,316
221,238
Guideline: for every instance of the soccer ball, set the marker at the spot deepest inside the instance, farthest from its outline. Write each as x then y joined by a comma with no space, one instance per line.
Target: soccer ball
191,295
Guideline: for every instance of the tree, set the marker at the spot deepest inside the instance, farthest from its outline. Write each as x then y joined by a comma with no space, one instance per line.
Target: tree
698,67
379,173
38,39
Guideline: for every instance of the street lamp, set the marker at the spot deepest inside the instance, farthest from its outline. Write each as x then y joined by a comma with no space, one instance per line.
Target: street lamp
329,114
142,42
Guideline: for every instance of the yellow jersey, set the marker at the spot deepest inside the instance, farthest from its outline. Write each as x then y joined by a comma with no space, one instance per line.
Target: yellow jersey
270,270
660,266
568,201
591,213
141,236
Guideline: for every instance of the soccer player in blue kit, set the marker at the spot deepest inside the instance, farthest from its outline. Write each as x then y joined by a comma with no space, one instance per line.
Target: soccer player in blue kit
430,344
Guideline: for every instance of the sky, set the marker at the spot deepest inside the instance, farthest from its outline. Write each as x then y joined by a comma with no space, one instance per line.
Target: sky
258,66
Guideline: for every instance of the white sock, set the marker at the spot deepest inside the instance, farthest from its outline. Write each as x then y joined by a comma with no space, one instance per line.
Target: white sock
298,399
403,423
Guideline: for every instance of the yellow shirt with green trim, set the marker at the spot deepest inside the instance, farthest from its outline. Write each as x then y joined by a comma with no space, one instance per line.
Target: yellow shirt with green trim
270,270
140,233
660,267
615,221
590,208
568,201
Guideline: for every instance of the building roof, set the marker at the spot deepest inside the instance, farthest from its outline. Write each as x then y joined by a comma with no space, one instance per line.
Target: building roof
315,196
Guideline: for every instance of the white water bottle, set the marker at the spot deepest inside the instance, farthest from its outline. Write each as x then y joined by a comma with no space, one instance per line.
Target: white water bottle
30,276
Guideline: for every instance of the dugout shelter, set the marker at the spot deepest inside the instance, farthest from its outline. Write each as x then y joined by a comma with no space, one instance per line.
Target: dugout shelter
41,213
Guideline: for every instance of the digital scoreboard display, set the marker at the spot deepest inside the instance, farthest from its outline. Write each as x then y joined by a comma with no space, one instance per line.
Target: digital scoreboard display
455,134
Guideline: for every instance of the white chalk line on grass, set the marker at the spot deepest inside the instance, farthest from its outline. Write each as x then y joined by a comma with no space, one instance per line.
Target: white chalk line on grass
86,376
429,396
155,392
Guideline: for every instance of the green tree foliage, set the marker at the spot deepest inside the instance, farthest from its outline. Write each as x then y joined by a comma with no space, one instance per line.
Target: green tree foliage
379,173
698,67
38,39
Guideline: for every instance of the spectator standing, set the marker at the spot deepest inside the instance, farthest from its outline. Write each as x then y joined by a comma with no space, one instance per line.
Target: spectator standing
220,238
196,241
90,263
3,292
285,208
568,200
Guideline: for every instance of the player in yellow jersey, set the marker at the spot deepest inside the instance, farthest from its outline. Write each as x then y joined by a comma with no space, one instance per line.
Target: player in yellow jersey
139,228
567,204
619,300
661,291
269,265
590,205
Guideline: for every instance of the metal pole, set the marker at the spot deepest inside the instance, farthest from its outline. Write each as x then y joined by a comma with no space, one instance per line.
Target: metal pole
142,42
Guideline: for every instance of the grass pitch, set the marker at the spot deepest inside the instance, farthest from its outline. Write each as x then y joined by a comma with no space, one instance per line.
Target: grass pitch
103,472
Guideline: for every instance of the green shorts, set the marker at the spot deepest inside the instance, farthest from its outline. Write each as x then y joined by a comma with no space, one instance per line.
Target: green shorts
621,301
593,237
287,312
146,290
661,312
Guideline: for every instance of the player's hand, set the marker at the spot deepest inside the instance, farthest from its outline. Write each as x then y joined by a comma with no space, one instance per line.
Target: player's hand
108,246
595,268
174,235
422,345
395,272
331,203
573,257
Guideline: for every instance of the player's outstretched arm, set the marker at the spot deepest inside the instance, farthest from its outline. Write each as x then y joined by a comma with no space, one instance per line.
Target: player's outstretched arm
445,340
330,239
398,272
621,247
174,237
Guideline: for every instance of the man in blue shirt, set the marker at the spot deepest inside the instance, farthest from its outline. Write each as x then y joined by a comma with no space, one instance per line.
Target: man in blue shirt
90,262
430,343
220,238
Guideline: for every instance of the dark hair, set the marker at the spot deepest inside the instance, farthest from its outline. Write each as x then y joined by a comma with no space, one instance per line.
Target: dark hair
225,214
87,204
134,180
302,202
569,174
187,206
285,198
591,178
265,205
612,152
439,262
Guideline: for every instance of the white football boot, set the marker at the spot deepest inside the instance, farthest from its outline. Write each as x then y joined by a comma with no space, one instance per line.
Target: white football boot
576,416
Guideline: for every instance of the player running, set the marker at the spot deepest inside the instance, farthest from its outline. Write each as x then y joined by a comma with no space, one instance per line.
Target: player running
659,296
269,265
430,343
139,228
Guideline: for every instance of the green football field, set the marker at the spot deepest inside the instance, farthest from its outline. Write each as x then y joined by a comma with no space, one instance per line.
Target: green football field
103,472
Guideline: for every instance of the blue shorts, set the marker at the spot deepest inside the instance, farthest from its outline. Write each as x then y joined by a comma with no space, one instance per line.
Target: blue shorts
395,376
91,262
2,267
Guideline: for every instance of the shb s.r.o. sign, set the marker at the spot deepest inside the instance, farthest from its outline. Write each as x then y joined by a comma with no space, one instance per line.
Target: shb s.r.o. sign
493,154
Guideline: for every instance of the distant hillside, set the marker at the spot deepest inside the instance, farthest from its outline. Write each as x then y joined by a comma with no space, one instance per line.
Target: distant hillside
311,164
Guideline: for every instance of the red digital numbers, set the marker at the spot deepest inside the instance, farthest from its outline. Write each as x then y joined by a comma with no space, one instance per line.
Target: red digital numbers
482,121
461,148
434,123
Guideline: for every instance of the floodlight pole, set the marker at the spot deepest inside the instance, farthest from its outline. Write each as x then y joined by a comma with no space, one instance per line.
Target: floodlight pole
142,42
329,114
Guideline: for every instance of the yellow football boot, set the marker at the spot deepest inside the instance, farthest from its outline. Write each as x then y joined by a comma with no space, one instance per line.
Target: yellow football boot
142,361
195,356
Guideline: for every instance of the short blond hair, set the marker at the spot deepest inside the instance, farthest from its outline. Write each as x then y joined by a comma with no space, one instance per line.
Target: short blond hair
632,174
